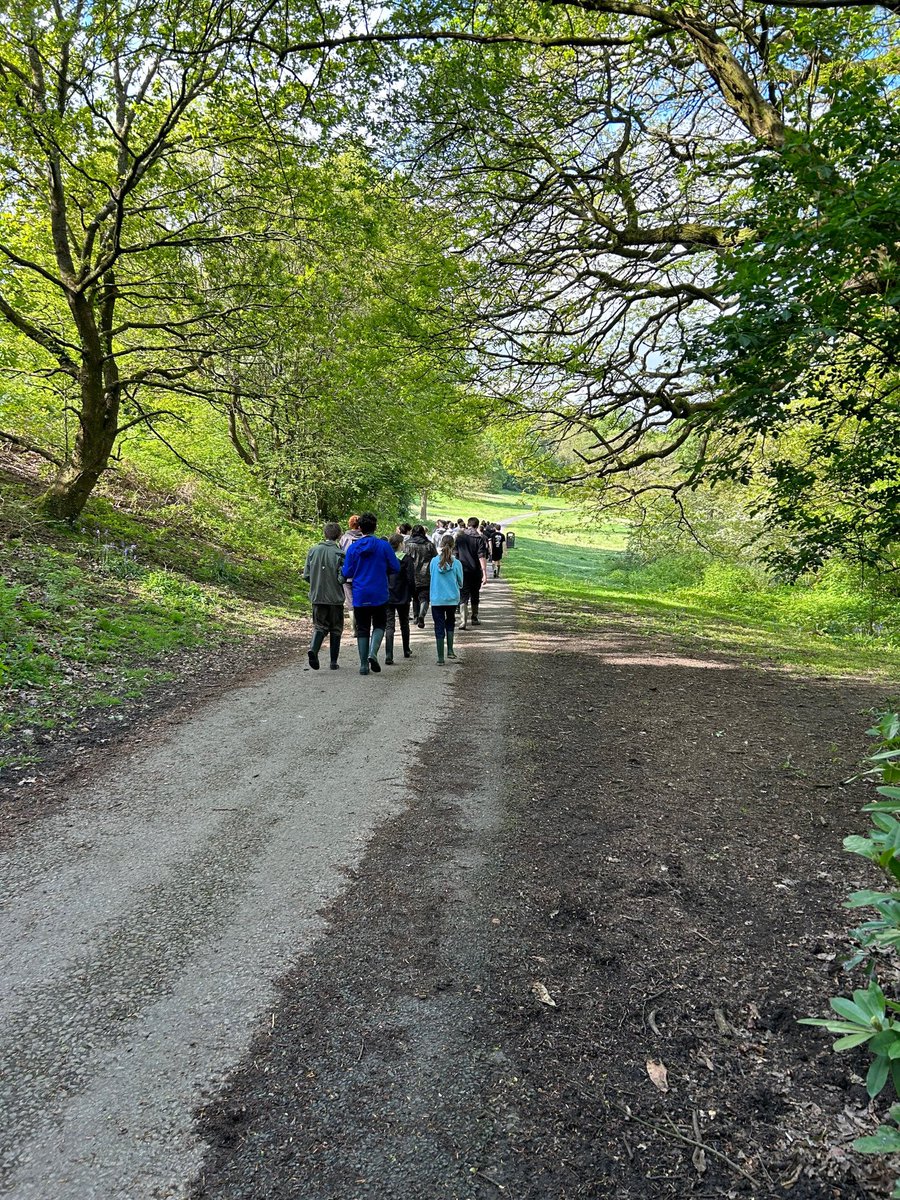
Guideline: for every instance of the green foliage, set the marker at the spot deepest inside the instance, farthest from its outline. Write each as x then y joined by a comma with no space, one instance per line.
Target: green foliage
868,1019
587,567
89,616
806,355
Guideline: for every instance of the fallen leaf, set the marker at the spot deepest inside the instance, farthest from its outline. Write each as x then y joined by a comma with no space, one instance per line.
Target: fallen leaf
698,1158
659,1076
542,994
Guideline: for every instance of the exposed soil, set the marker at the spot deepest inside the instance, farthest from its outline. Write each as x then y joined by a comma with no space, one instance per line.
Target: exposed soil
654,837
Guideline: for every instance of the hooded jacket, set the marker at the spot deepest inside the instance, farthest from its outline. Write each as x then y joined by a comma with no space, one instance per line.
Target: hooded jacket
401,586
348,537
421,550
368,562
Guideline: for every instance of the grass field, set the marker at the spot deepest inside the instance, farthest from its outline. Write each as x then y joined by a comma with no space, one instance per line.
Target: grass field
581,567
489,506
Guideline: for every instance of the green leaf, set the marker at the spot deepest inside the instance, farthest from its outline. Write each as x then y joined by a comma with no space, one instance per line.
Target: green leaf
885,1141
867,898
838,1026
870,1000
883,1042
849,1040
855,844
877,1078
851,1010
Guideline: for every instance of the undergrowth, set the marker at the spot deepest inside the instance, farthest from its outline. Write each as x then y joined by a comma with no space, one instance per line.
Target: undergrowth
90,615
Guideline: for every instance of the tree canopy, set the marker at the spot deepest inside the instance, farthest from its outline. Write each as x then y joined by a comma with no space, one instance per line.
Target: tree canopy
665,234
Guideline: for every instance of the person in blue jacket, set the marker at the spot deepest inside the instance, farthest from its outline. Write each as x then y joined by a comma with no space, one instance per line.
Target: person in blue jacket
446,581
367,564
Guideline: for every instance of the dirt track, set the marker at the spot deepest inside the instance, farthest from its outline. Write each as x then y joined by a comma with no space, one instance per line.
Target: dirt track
653,836
145,921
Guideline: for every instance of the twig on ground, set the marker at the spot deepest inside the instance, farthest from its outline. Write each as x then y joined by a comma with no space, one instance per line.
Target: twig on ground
682,1137
499,1186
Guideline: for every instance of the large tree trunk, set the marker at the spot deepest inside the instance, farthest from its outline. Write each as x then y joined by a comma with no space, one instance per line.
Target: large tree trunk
423,508
98,426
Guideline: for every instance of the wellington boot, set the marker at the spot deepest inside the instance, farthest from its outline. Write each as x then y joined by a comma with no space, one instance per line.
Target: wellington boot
388,650
374,647
315,646
450,635
334,643
440,650
362,648
465,617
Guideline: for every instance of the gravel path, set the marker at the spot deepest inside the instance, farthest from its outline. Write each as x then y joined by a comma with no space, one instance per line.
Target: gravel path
144,923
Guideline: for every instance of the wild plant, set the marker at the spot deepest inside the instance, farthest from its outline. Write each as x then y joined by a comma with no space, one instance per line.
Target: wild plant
870,1018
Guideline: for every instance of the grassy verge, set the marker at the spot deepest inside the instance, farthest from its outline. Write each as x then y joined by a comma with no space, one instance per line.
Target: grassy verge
584,571
91,616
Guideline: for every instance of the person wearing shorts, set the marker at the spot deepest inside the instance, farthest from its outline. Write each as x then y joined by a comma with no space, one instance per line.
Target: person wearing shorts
367,564
322,571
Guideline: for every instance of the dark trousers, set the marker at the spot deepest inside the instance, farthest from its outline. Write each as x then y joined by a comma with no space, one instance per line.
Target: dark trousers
420,599
470,593
397,614
369,617
328,618
444,617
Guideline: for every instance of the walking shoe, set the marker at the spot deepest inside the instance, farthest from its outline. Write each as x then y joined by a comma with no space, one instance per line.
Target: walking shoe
375,665
475,621
333,666
420,623
313,659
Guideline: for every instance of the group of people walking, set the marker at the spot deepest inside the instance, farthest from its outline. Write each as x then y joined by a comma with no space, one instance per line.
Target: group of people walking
378,579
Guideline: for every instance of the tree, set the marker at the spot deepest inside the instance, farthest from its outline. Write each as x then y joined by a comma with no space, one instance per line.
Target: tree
135,143
607,161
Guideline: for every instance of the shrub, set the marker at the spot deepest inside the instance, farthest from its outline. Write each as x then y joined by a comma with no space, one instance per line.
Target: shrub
870,1018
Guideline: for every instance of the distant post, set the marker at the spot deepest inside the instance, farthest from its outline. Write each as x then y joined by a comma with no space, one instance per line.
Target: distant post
511,540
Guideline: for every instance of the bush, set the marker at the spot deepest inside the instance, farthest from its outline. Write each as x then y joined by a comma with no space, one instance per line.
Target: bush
870,1018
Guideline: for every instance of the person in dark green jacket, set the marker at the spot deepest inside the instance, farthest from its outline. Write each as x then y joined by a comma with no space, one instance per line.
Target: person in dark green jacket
322,572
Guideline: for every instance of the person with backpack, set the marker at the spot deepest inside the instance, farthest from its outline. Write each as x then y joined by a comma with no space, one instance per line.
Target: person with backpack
498,544
471,550
400,590
353,534
421,550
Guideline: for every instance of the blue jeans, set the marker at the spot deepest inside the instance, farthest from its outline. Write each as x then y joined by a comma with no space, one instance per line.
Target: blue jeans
444,616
